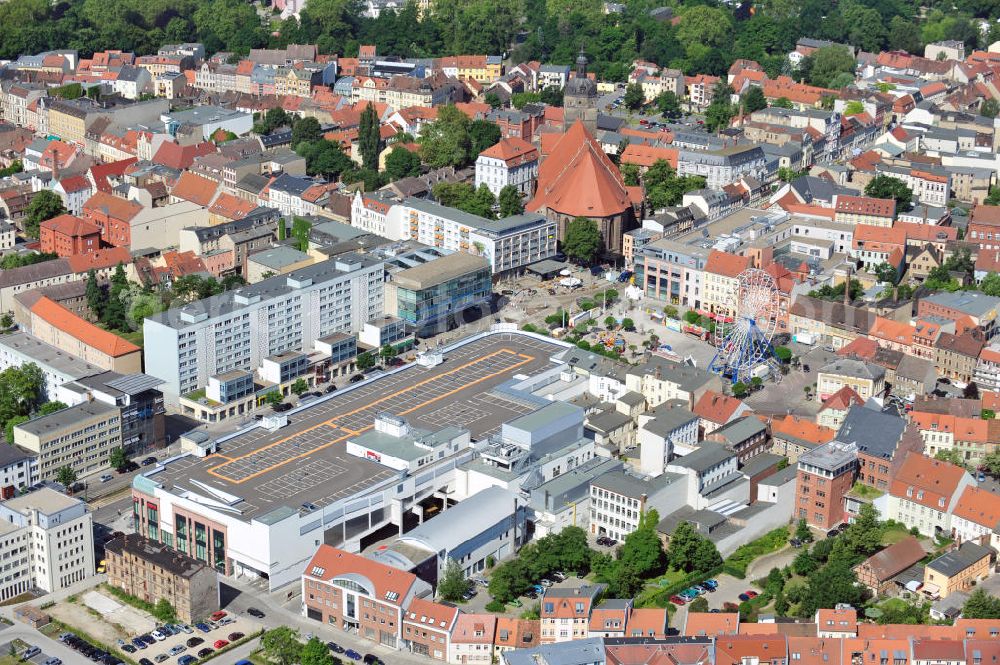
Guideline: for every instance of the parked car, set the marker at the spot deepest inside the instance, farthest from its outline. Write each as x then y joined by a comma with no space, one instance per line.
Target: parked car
559,577
225,621
206,652
795,542
30,652
330,388
188,659
711,584
160,657
356,378
220,643
184,628
743,597
158,636
52,661
203,627
139,644
145,661
236,637
176,649
194,641
352,654
254,612
677,600
281,407
106,477
334,647
545,582
128,648
752,594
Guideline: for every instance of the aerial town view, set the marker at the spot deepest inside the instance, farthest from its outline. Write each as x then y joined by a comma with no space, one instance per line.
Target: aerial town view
499,332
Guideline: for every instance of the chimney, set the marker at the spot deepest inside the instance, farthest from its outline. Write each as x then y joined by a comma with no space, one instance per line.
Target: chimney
847,286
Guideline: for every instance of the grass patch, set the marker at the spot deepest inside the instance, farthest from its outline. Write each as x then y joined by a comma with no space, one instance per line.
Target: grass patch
866,492
737,564
19,599
895,534
668,578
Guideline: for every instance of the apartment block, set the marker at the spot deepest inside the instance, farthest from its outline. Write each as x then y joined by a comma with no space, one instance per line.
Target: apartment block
80,437
237,330
46,542
150,571
826,474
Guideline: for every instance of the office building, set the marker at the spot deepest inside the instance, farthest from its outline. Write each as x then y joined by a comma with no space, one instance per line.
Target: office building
18,468
46,542
437,292
80,437
238,329
58,367
826,474
149,571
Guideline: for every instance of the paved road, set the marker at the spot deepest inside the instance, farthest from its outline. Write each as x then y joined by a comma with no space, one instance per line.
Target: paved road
48,646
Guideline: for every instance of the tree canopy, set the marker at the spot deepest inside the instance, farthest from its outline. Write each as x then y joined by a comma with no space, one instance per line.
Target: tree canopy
583,240
44,205
886,187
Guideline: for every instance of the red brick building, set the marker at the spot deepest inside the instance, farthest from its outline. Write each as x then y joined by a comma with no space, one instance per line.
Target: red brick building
826,475
112,216
68,235
357,594
427,628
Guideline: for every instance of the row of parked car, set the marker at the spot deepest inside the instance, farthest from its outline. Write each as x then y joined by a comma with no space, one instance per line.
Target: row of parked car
88,650
368,658
689,594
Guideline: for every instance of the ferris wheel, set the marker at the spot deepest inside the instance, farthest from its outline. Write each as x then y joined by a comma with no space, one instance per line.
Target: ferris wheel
743,339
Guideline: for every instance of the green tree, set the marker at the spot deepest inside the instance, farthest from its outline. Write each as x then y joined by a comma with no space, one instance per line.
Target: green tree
740,389
829,61
164,611
990,284
401,163
992,463
782,103
686,550
453,584
832,584
704,26
886,187
630,174
854,107
551,95
10,424
369,139
66,476
804,563
886,273
583,240
699,604
981,605
44,205
300,231
6,321
781,604
483,134
315,652
510,201
720,111
95,294
51,407
990,108
118,459
493,99
300,386
281,645
634,96
669,105
365,361
753,100
951,457
388,352
324,158
273,397
306,130
446,141
802,531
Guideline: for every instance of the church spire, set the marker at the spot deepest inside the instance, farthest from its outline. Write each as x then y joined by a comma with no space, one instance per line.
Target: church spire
581,63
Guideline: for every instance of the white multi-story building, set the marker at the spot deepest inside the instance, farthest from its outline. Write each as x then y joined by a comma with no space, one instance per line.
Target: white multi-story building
58,367
236,330
18,467
723,167
664,433
513,161
618,501
924,493
46,542
509,244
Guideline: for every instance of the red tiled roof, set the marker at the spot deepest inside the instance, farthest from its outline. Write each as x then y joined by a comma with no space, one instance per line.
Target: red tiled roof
712,623
889,330
800,428
231,207
70,225
578,179
842,400
647,155
195,188
81,329
736,648
895,559
112,206
979,506
726,264
74,183
474,629
866,205
99,260
512,151
430,614
926,481
861,347
647,622
518,633
181,157
716,407
101,172
390,584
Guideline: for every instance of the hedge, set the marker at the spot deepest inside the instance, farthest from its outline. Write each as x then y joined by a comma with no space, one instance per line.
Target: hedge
736,565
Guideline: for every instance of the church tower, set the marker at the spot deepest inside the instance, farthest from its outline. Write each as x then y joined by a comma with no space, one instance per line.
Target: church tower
580,98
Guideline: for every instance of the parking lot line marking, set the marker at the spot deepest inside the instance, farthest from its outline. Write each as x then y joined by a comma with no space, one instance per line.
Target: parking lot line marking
332,421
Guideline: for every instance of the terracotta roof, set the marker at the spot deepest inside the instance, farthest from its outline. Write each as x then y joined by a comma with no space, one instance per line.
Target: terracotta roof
431,615
968,344
889,330
889,235
179,264
99,260
101,172
716,407
195,188
70,324
608,619
938,650
518,633
712,623
579,180
812,650
74,183
726,264
979,506
231,207
862,348
979,628
928,232
647,155
927,481
842,400
181,157
800,428
390,584
765,648
903,632
474,629
894,559
647,622
512,151
70,225
837,620
112,206
866,205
